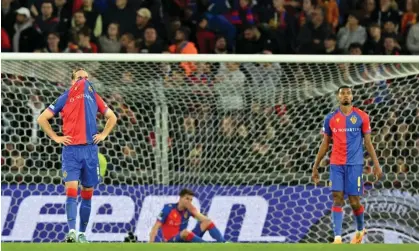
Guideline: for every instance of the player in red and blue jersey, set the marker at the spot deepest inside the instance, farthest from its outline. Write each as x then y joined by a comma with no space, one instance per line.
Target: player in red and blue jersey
349,129
174,218
78,107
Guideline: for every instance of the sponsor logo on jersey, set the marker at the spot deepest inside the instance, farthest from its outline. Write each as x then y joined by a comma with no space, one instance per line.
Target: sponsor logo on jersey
346,129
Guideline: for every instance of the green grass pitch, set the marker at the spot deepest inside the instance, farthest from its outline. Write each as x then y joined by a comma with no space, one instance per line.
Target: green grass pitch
202,247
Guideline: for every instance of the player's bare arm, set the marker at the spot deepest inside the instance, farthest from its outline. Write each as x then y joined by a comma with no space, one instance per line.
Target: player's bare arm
154,231
43,121
371,151
110,124
324,147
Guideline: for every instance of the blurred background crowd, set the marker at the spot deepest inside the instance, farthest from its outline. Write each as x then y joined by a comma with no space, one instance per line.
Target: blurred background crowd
373,27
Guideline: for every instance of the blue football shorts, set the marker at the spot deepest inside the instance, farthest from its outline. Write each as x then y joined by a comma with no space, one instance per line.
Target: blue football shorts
347,179
81,163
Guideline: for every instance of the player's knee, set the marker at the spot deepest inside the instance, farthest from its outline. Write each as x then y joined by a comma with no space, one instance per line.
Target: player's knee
355,203
338,199
184,234
207,225
71,192
86,194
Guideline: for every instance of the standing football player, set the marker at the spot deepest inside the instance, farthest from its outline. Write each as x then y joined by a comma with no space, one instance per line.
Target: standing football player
78,107
174,219
349,128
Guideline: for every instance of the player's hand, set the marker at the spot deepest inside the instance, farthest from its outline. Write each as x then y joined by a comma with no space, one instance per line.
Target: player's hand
99,137
315,175
65,140
378,173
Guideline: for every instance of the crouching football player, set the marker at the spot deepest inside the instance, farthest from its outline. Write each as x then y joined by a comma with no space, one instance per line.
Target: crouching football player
174,218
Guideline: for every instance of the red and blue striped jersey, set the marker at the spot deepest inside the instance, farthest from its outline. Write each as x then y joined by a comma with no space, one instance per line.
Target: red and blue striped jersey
174,221
78,107
347,132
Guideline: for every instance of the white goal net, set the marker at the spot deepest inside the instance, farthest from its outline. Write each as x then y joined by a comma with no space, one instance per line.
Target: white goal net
242,132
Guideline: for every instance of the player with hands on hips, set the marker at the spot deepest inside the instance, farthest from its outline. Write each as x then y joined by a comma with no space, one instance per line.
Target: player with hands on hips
78,107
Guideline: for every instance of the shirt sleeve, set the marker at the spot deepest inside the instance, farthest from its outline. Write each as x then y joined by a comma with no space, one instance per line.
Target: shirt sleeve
59,103
326,126
102,106
163,214
366,126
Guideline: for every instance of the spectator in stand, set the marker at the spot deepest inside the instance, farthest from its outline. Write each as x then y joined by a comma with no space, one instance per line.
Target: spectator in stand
53,43
18,162
110,43
205,37
390,30
220,45
203,76
5,41
385,13
368,10
330,45
242,15
283,26
310,40
230,87
183,46
351,33
355,49
93,17
331,12
78,23
152,43
125,40
209,24
8,15
46,22
375,43
253,41
142,22
390,46
305,14
412,42
83,45
64,14
410,17
133,47
25,38
122,14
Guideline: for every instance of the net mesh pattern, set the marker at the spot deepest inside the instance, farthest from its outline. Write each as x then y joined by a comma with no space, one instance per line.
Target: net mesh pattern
228,125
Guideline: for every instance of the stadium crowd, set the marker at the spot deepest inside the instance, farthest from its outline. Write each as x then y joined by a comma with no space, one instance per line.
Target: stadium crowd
373,27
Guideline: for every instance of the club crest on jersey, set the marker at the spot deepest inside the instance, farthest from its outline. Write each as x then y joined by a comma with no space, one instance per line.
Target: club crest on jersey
185,215
337,120
90,89
353,120
65,174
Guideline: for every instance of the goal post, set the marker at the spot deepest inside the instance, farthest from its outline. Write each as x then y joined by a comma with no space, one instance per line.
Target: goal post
240,130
